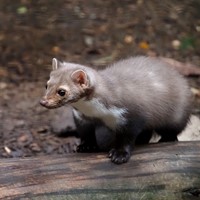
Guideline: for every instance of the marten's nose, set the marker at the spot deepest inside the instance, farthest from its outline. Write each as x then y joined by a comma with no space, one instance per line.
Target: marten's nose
43,102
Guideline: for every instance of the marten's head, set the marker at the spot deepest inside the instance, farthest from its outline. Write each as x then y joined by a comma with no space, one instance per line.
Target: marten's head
68,83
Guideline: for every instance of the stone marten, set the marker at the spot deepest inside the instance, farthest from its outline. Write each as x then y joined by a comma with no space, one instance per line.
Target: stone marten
129,99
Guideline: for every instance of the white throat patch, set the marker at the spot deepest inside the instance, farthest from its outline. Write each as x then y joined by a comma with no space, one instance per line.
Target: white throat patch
112,116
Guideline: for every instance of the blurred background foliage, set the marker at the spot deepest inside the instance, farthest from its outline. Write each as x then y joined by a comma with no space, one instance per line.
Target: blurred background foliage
93,32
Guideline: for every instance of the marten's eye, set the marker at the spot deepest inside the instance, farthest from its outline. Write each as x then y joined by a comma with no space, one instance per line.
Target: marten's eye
46,86
61,92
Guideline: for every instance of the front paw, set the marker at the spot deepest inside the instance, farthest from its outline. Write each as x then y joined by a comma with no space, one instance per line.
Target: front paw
119,156
87,148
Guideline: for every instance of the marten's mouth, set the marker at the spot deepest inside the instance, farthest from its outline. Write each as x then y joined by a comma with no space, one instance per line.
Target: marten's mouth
49,105
52,106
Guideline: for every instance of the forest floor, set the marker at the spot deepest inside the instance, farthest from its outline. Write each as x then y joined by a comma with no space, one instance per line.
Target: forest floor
95,33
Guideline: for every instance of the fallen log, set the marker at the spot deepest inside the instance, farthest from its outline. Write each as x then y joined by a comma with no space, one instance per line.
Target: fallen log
156,171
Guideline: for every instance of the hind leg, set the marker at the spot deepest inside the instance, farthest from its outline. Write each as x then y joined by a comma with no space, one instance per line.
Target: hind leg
168,134
144,137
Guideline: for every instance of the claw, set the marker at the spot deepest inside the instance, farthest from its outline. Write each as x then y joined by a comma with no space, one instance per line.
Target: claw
111,152
119,156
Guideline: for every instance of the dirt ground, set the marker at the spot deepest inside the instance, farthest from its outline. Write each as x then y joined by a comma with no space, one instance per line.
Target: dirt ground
95,33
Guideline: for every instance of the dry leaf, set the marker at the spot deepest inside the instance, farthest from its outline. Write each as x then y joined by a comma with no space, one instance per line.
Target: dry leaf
56,49
8,151
143,45
195,92
128,39
3,72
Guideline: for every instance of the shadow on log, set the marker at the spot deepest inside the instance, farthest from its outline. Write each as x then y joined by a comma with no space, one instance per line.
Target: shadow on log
158,171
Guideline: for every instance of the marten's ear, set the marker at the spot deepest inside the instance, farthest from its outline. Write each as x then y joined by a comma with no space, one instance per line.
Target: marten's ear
55,64
80,77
